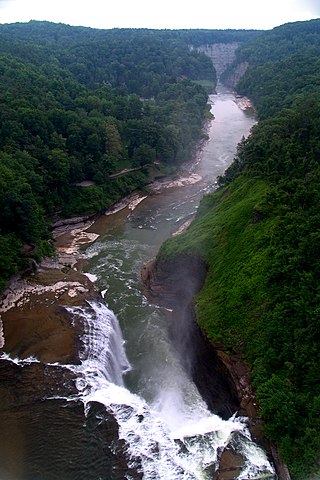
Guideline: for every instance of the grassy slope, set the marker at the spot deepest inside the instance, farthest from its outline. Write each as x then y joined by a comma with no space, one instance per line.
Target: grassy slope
228,236
235,307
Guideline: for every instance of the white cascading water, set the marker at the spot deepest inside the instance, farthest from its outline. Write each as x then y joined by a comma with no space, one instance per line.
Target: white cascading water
172,440
103,352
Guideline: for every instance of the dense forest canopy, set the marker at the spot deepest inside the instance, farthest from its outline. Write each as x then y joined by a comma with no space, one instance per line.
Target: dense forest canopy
283,66
259,234
82,104
48,33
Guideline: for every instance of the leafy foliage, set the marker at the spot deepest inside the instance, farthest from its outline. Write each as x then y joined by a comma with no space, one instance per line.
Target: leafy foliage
283,66
259,234
79,104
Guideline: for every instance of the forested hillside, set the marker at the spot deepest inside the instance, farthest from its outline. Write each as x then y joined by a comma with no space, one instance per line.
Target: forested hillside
259,234
79,104
284,66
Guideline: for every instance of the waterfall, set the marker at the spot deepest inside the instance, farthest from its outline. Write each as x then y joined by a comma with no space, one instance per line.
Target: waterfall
165,429
185,449
103,345
2,341
171,437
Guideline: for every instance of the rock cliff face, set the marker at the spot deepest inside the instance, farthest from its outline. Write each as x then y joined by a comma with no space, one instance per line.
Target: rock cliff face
221,54
173,285
235,74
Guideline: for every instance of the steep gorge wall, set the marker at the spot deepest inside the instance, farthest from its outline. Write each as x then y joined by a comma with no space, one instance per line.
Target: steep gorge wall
222,56
163,285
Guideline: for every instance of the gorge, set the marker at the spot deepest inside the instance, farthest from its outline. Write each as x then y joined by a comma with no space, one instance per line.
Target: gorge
89,117
162,403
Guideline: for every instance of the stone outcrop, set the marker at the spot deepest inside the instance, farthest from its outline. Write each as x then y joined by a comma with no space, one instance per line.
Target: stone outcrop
173,285
230,465
222,378
35,322
235,74
221,54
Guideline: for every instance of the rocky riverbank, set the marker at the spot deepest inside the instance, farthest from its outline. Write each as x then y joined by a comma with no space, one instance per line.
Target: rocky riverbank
244,103
35,324
57,282
34,320
42,342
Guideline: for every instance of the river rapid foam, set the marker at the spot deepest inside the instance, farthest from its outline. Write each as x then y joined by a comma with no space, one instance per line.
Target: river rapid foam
167,438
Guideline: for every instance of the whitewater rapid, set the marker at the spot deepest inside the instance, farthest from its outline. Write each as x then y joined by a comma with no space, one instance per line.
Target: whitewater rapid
171,439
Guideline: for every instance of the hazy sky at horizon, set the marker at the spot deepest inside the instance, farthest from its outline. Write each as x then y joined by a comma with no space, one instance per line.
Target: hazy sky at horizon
215,14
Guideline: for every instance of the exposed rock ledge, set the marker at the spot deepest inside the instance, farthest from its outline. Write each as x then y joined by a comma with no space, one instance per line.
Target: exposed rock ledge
173,285
222,378
40,408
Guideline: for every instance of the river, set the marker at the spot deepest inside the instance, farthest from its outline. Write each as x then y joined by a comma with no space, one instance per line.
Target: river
133,412
130,238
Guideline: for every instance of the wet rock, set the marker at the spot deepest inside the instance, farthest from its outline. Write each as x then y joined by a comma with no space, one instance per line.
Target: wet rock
96,450
230,465
173,285
35,321
282,469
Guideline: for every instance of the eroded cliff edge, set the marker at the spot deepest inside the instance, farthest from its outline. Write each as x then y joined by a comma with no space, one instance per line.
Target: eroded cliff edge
221,377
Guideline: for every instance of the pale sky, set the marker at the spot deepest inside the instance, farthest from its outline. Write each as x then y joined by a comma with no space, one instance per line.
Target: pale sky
212,14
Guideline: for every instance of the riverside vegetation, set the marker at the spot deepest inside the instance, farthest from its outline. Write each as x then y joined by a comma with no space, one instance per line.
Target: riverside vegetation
259,235
81,104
